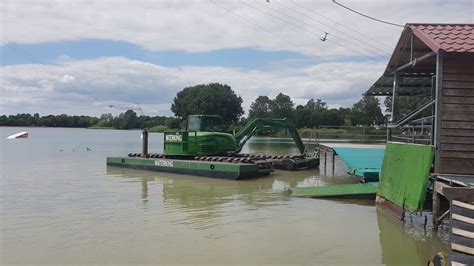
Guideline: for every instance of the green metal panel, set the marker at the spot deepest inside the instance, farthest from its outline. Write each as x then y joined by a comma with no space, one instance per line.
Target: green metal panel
345,190
404,174
198,143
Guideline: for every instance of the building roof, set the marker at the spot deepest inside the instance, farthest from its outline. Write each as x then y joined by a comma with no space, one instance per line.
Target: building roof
414,85
450,38
420,40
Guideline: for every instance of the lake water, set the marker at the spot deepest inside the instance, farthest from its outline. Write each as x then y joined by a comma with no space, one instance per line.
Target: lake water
60,204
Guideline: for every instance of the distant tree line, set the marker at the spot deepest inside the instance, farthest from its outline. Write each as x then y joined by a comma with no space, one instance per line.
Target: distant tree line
28,120
126,120
220,99
130,120
315,113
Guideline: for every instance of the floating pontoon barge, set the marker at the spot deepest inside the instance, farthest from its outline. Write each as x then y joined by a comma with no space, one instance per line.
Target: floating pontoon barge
215,169
234,167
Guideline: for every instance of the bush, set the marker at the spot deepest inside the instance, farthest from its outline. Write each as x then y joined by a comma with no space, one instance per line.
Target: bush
158,129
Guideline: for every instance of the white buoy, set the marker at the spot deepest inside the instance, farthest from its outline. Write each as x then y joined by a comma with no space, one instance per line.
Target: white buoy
19,135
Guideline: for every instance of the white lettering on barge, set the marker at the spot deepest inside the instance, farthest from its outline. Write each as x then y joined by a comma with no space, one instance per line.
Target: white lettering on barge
165,163
176,137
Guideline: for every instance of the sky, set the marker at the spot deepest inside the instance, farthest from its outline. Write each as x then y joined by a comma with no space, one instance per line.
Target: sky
81,57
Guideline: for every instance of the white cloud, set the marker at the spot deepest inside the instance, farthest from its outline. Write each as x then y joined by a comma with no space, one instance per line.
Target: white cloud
202,26
67,79
95,84
90,86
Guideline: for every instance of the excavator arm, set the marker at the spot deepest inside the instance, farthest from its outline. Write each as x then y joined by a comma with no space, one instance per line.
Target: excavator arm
267,123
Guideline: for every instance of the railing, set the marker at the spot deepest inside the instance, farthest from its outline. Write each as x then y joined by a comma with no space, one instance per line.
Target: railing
361,134
416,131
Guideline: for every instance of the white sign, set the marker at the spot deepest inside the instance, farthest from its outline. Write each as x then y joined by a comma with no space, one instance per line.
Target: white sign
164,163
177,138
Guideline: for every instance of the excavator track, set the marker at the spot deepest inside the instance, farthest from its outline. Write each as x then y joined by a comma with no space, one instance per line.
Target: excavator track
264,162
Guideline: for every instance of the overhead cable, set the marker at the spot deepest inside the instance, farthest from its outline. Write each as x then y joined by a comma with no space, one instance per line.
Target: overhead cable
308,31
367,16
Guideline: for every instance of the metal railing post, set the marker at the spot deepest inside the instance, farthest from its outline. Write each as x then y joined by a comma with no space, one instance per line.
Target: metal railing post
144,143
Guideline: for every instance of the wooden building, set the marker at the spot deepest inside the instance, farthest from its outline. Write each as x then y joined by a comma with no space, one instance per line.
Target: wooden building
435,62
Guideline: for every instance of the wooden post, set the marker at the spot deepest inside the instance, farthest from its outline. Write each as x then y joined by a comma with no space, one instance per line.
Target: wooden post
436,133
436,204
333,161
437,119
437,193
144,143
396,84
325,161
433,110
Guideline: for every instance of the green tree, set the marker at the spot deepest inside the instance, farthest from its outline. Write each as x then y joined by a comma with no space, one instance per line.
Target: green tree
316,105
127,120
367,112
106,120
208,99
346,114
260,108
302,117
173,123
331,118
282,106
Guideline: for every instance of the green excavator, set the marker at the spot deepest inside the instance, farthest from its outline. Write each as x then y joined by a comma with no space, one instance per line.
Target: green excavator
205,136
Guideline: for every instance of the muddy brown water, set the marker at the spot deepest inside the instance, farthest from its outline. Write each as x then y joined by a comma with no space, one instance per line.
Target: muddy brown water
60,204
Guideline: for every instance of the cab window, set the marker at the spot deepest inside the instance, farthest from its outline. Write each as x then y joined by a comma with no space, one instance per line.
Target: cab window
194,123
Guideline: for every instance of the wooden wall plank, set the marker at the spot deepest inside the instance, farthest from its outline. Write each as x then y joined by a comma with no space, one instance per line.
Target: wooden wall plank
457,125
458,117
456,154
458,99
459,59
457,139
456,166
458,92
459,258
458,69
447,108
457,77
457,147
457,132
458,224
458,84
462,211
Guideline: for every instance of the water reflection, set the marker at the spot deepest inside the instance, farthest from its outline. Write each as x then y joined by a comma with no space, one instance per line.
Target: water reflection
208,204
144,189
207,201
409,243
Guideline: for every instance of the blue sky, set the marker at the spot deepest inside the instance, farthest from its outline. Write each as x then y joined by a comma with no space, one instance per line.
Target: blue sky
79,57
48,53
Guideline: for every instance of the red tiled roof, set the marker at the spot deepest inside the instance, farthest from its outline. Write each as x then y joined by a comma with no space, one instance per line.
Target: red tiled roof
447,37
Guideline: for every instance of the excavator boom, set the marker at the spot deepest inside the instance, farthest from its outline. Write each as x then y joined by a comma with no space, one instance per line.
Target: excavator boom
267,123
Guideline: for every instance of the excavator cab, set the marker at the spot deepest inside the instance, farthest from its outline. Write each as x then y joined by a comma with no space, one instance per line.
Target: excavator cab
206,123
204,135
